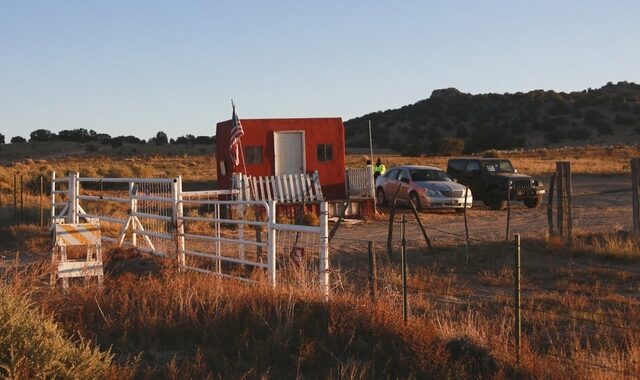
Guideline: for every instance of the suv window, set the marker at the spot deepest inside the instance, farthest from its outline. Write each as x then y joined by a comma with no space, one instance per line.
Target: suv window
456,166
403,174
393,174
473,167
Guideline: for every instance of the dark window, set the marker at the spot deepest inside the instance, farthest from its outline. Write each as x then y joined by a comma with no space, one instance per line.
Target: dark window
403,175
456,166
324,152
253,154
393,174
473,167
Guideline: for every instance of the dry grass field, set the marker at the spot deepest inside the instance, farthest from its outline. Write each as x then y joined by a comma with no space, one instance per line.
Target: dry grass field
579,315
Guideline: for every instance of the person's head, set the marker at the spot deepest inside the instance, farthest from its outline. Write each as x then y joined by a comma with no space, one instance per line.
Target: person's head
379,161
368,162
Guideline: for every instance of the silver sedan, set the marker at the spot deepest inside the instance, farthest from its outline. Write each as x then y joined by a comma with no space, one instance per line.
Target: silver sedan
427,187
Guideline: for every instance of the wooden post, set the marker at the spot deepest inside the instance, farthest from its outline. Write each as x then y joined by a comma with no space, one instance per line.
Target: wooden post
509,185
568,188
392,216
21,200
517,299
15,197
373,271
552,182
560,198
324,264
403,254
466,226
424,231
41,206
635,186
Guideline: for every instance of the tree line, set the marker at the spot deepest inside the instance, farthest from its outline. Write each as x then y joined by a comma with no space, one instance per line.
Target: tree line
83,135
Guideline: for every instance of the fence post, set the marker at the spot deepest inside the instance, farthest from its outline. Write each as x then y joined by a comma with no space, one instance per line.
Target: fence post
324,249
509,184
560,198
392,216
15,197
466,226
21,200
373,271
271,244
133,205
568,188
424,231
71,213
241,254
53,195
517,294
179,212
403,255
635,186
41,206
552,182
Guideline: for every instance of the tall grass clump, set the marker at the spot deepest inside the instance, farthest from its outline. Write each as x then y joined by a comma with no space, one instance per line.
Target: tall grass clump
33,346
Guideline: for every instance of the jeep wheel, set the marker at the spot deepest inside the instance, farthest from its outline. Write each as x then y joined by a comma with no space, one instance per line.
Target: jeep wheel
494,199
380,199
413,198
533,202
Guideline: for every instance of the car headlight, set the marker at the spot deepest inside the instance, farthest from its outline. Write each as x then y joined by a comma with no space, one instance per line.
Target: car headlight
434,193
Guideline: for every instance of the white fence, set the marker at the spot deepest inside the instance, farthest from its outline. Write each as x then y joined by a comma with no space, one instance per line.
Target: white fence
288,188
201,232
360,182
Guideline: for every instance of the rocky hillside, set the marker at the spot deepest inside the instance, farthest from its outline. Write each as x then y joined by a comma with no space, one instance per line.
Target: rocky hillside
450,121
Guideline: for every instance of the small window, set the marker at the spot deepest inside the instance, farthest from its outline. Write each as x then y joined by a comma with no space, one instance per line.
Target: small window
393,174
403,175
473,167
253,154
324,152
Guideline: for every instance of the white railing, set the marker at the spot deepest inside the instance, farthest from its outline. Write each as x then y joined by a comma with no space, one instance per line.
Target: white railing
287,188
197,229
360,182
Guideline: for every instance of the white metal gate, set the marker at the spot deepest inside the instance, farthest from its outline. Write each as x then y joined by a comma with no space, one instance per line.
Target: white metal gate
229,238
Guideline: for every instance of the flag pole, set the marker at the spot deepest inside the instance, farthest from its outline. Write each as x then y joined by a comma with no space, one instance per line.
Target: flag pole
370,143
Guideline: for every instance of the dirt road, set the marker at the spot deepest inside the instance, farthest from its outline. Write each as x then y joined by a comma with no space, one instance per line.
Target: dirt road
601,203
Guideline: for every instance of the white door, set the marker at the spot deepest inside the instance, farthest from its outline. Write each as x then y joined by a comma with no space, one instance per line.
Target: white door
289,152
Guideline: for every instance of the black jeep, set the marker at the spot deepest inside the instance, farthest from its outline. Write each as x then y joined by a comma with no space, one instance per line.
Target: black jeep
489,179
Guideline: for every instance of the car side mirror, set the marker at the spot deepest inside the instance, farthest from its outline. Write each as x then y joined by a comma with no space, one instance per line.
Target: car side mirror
405,180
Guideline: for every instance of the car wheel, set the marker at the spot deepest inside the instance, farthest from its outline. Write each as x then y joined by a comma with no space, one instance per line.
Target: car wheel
380,198
413,198
494,199
533,203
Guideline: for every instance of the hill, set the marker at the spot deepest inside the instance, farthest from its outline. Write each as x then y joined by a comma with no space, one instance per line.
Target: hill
450,121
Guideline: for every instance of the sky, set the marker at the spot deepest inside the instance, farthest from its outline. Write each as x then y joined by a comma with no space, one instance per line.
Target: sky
138,67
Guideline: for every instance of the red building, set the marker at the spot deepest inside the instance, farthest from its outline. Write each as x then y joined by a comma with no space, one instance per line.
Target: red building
287,146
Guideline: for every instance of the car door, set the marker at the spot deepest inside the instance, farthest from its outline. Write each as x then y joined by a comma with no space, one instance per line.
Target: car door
390,184
404,181
473,177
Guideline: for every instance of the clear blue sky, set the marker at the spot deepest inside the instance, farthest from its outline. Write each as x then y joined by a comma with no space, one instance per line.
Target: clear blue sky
137,67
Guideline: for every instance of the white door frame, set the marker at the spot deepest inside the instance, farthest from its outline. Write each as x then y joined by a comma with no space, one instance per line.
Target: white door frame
275,151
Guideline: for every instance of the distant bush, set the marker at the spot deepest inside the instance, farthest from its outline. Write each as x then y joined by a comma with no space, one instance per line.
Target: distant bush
447,146
624,120
579,133
18,140
554,136
592,117
604,129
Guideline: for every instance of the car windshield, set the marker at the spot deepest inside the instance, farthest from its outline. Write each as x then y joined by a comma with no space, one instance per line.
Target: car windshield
429,175
500,166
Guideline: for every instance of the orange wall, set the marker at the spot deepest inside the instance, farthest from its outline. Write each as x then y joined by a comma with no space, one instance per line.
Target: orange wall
260,132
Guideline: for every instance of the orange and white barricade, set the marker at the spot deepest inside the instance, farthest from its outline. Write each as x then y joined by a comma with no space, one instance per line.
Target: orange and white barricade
76,235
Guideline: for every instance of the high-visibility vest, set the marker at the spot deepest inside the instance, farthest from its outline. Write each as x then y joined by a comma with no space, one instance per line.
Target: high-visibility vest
379,169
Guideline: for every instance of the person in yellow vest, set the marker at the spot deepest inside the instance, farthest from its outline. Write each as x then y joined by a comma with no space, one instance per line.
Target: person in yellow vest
378,169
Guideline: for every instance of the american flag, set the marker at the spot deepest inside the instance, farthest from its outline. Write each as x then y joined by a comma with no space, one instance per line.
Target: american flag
236,133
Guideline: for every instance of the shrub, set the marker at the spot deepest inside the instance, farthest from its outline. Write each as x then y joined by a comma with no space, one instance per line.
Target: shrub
579,133
33,346
18,140
624,120
447,146
554,136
